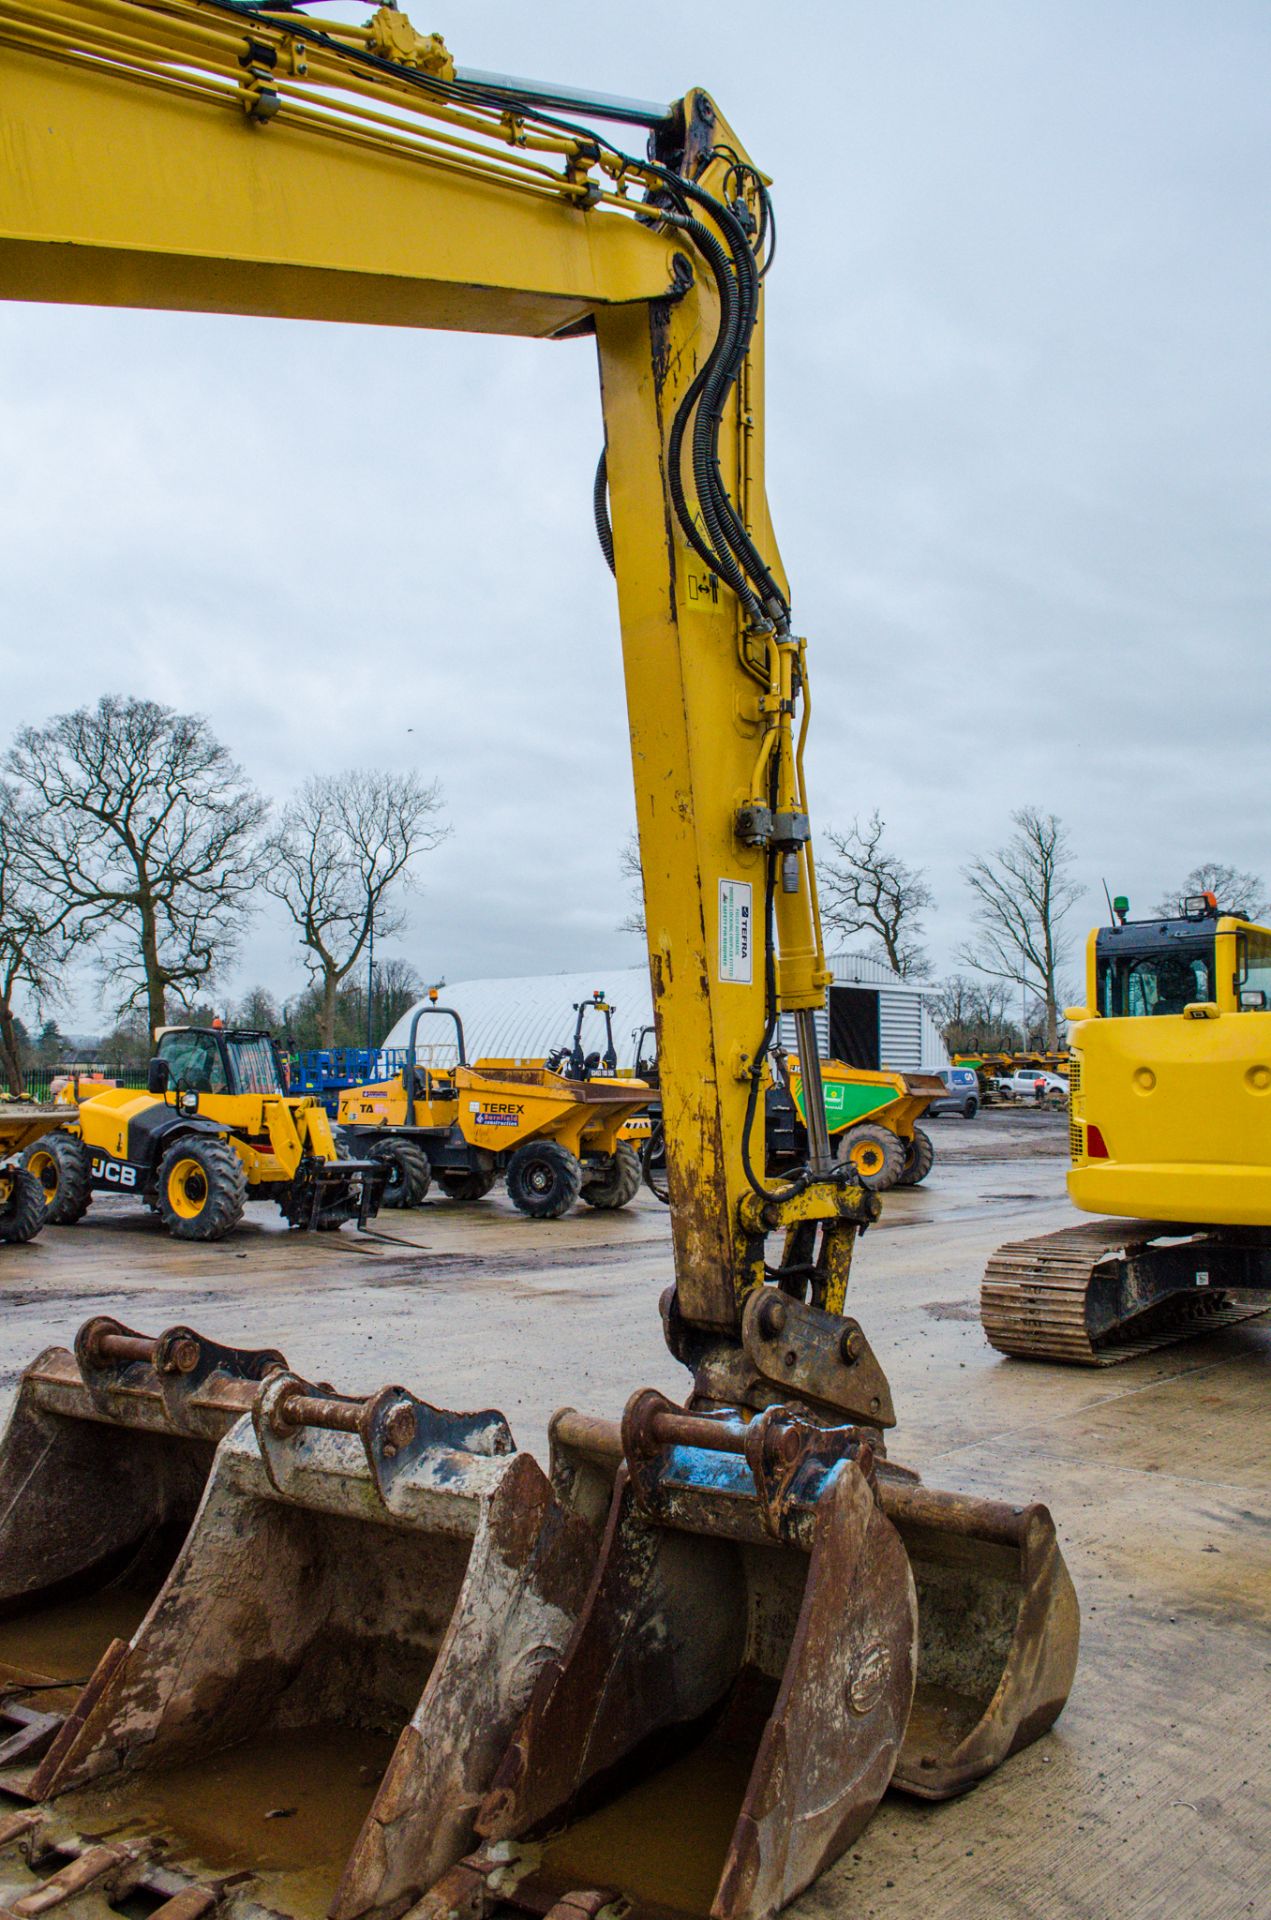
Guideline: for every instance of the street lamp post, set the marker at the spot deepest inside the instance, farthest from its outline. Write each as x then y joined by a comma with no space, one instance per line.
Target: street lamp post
370,984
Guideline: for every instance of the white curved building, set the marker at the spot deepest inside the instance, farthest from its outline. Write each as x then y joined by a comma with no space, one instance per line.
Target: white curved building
873,1018
523,1019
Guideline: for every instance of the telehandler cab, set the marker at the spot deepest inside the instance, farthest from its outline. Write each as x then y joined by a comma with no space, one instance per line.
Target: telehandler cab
213,1129
733,1621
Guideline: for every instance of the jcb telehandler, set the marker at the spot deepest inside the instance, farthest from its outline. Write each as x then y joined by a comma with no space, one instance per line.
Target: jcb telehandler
553,1134
213,1129
725,1627
1170,1084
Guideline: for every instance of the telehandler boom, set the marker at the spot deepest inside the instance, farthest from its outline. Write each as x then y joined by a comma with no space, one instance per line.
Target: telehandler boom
773,1613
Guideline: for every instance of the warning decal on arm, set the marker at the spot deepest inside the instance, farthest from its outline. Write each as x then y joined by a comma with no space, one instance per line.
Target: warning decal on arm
735,932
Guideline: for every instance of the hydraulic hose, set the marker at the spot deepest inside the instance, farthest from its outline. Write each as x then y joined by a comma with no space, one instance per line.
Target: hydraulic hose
600,509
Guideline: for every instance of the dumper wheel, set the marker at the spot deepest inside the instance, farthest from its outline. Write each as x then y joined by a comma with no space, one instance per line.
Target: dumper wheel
877,1156
466,1186
202,1189
920,1157
60,1163
409,1175
22,1211
619,1184
544,1179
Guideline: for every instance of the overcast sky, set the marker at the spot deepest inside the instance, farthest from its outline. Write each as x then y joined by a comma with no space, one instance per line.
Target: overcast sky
1018,459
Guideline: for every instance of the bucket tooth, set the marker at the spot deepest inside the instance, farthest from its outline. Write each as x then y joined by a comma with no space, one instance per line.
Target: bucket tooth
998,1624
350,1632
746,1652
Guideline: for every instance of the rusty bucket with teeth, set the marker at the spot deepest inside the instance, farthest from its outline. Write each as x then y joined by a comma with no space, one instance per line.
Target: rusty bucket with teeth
102,1468
334,1651
915,1638
746,1654
998,1619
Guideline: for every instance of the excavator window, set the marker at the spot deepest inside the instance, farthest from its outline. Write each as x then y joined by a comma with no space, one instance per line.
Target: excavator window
1255,963
1132,986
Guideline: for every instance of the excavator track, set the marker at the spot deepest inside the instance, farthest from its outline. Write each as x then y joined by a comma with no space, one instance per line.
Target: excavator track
1103,1292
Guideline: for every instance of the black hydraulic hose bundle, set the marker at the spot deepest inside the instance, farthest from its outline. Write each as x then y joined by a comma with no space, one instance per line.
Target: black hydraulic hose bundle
727,547
600,509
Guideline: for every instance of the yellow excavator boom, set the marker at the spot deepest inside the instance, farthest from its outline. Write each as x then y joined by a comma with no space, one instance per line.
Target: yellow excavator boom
764,1581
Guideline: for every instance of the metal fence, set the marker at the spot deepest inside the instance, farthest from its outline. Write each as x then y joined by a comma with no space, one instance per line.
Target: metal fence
38,1081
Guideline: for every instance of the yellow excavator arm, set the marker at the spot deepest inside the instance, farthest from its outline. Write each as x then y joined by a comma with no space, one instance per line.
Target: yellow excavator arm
198,154
745,1584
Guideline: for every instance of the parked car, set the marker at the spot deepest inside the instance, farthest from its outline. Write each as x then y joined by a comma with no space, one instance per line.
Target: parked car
1034,1083
963,1096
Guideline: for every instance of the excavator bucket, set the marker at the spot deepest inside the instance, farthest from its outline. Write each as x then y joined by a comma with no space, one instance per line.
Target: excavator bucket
998,1628
998,1619
731,1706
314,1702
102,1468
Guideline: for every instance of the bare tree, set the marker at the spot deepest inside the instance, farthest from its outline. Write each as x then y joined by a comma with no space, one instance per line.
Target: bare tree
866,889
258,1009
343,848
30,952
629,868
974,1016
144,831
396,986
1022,895
1235,891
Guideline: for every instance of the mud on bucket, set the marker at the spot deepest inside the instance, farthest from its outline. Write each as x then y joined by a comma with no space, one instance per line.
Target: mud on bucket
102,1468
342,1649
746,1651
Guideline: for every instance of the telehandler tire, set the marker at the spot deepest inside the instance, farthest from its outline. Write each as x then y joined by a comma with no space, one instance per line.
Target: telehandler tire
544,1179
202,1189
60,1163
920,1157
23,1211
876,1154
409,1175
466,1186
619,1184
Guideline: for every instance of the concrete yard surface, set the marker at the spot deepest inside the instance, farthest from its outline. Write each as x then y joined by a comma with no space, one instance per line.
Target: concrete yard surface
1151,1798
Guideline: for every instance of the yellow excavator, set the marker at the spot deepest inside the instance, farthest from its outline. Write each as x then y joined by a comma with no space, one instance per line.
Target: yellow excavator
1169,1079
676,1676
